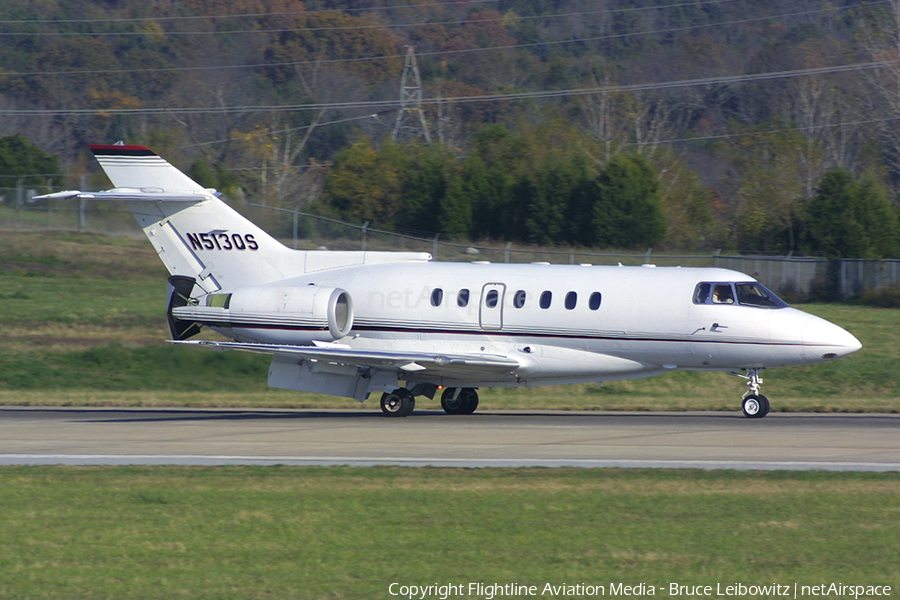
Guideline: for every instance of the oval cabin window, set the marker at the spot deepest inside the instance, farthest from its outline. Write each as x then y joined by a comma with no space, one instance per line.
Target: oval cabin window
437,296
546,299
519,299
491,299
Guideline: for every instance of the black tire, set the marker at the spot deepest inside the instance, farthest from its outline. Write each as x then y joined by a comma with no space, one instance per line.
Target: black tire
399,403
471,395
755,406
453,406
464,404
765,406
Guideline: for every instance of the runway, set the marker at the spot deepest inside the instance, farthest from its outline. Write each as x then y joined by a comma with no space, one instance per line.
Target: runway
101,436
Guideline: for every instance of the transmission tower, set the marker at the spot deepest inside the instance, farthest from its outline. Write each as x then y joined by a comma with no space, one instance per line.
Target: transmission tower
411,118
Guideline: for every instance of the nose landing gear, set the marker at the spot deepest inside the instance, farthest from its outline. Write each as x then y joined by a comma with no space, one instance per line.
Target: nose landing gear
754,405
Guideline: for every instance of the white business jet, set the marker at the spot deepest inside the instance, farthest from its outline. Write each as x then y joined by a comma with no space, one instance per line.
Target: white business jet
353,323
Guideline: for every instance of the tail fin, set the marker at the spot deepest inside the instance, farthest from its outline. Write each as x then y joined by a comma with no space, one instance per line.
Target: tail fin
196,234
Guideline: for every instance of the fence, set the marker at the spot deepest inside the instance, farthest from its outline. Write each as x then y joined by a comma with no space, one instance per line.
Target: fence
797,278
817,277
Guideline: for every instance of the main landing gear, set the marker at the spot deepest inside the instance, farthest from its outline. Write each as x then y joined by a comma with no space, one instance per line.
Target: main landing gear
399,403
754,405
459,401
454,401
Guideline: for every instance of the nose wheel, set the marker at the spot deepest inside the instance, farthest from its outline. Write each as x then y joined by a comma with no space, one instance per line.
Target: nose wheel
754,405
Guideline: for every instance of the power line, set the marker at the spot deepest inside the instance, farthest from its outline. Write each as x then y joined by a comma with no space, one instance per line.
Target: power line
726,79
288,130
766,132
436,53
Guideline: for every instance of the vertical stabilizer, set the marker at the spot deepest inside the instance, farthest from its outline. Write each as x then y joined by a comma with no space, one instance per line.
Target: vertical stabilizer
195,233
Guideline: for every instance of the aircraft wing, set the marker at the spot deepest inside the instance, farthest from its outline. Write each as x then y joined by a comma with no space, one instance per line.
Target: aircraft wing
408,363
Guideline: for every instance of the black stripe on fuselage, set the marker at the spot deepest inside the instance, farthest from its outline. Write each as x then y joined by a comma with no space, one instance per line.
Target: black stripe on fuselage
496,333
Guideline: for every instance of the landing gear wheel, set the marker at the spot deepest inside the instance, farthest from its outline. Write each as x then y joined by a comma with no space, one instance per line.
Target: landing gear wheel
399,403
471,400
464,403
755,406
451,405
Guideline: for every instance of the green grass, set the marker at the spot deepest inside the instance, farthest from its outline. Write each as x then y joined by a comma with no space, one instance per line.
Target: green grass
341,533
83,316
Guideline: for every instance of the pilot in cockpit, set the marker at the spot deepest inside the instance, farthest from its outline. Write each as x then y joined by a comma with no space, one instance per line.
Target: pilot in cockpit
722,295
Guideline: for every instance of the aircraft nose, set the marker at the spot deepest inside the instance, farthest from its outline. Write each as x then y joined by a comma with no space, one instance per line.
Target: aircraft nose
826,341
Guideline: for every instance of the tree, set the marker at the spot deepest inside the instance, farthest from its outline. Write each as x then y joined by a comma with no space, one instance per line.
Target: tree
769,181
365,183
851,218
428,174
20,160
625,208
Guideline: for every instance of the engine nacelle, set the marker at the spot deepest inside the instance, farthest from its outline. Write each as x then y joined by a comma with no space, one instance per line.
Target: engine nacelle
325,312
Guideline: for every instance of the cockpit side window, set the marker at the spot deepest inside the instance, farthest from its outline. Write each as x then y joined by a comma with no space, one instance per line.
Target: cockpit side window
756,294
750,293
722,294
701,294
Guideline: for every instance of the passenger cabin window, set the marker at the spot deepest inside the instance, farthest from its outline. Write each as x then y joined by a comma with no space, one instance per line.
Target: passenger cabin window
752,294
462,298
437,296
491,299
571,300
594,301
519,299
546,299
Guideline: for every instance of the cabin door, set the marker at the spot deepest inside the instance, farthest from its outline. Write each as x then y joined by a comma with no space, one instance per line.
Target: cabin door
491,309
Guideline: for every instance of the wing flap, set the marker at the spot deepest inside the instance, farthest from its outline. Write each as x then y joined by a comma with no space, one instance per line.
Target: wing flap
419,363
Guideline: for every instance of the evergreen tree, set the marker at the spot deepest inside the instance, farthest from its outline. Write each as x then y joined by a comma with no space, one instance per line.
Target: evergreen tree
625,210
22,160
850,218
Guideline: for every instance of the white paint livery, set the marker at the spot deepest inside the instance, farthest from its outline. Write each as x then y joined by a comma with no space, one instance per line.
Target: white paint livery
353,323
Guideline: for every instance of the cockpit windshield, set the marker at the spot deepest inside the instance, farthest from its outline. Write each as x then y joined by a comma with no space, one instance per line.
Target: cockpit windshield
743,294
756,294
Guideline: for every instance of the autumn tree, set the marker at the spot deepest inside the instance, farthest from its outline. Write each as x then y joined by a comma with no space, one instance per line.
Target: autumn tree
366,183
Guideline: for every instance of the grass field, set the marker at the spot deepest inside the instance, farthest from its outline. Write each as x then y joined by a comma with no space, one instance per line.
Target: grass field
342,533
83,323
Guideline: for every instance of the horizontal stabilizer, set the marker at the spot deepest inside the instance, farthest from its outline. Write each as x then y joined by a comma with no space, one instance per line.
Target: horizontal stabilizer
131,194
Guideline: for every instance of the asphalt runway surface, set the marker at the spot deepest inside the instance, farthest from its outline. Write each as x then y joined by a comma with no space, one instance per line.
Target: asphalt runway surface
116,436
